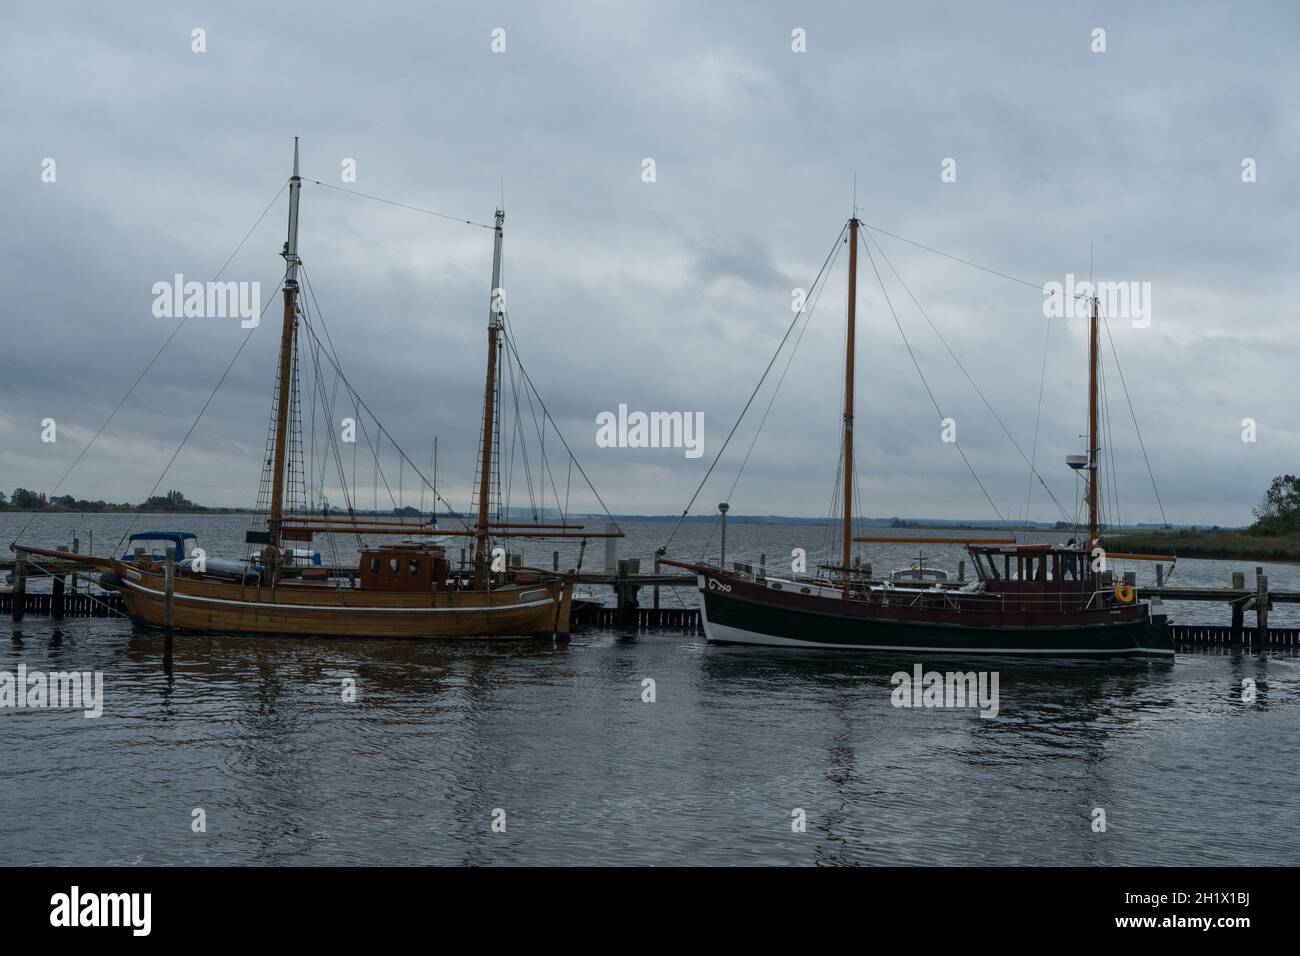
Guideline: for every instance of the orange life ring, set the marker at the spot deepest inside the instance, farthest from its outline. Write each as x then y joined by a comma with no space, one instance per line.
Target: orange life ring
1124,593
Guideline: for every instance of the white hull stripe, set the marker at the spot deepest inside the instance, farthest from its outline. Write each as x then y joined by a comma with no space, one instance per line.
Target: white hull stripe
269,606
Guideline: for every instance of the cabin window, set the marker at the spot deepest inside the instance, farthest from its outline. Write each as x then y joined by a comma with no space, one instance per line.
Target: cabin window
415,567
393,566
374,565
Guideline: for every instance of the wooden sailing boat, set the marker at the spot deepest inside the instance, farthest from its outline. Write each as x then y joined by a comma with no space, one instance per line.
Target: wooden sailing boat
1029,599
405,590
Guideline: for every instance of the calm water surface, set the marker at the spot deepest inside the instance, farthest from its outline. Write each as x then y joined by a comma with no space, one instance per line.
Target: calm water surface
255,732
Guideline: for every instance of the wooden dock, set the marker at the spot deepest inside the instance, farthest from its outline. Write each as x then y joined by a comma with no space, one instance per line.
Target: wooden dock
680,620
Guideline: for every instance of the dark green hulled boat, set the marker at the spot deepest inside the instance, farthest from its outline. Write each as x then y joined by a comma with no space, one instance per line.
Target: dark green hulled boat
1029,599
1038,599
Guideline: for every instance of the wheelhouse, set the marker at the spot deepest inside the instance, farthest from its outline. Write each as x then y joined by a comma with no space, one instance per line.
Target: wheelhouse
1034,567
404,568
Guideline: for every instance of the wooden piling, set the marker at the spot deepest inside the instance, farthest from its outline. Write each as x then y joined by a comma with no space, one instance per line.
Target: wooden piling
20,587
169,590
658,554
611,548
1261,608
1160,575
961,570
58,600
626,592
76,549
1238,621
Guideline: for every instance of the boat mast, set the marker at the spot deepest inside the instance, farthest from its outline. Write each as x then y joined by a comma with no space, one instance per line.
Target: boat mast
848,405
1094,450
489,414
285,379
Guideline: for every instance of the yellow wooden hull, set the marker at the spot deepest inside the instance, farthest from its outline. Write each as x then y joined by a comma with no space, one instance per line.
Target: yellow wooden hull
514,611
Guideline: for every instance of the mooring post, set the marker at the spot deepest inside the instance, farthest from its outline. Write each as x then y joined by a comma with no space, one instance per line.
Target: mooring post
169,589
658,553
626,592
1160,575
961,570
1238,621
20,586
76,549
555,561
762,567
611,548
1261,608
58,603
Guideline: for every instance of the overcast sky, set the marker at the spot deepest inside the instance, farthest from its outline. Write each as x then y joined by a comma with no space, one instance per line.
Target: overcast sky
672,294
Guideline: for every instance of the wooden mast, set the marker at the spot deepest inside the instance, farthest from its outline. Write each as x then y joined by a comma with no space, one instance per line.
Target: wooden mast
284,384
1094,449
848,405
495,306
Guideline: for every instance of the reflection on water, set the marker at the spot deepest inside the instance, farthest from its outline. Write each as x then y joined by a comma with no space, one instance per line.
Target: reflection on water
256,732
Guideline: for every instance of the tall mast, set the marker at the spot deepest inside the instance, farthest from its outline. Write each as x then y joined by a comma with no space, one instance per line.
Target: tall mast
1094,449
848,404
285,379
489,413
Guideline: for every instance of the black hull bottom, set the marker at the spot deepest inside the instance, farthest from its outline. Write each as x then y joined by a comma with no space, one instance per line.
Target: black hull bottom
730,620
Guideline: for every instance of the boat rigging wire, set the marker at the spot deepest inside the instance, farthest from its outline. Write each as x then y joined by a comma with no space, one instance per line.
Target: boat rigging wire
1038,416
393,202
978,391
547,416
195,424
145,371
814,298
1141,444
752,396
349,492
378,471
382,431
947,255
917,365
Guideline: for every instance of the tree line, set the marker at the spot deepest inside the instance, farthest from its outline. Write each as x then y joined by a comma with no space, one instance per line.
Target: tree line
25,500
